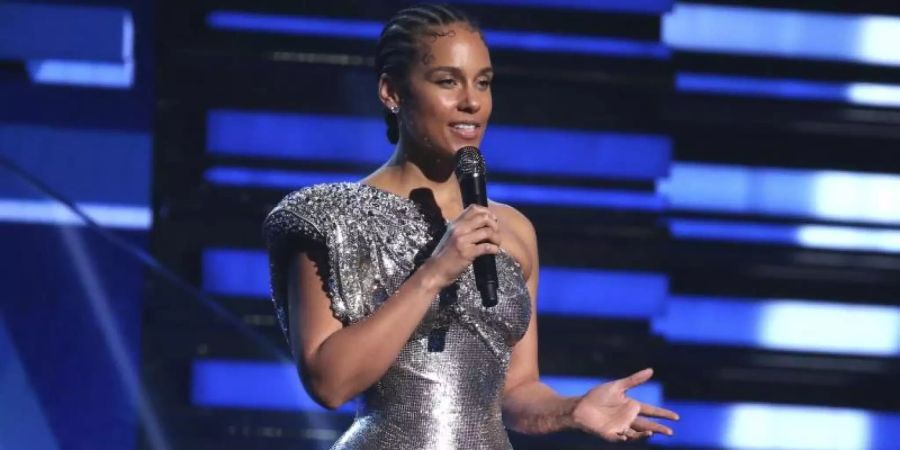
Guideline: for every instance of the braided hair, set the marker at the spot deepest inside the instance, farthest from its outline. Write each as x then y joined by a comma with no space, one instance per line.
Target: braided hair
397,46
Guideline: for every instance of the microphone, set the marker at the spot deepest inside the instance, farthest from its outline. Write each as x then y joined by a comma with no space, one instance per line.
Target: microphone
471,175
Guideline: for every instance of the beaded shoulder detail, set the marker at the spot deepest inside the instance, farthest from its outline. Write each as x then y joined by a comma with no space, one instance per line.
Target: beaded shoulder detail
369,235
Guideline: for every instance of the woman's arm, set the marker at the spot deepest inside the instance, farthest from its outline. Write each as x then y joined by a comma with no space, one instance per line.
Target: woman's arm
337,363
529,406
532,407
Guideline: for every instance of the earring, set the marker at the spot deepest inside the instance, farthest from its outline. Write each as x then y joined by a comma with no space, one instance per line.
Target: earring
395,109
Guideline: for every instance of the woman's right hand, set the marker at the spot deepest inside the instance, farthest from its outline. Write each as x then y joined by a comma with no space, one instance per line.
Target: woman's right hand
474,233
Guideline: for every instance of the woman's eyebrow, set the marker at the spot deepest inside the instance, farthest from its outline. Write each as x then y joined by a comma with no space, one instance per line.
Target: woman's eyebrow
457,71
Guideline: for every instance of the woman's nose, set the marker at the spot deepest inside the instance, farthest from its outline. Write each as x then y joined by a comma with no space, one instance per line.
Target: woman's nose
470,101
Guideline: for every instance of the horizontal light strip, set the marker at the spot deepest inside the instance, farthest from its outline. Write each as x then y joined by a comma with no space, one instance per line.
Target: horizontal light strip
497,39
82,73
236,272
85,165
733,231
601,293
53,213
623,6
503,192
819,194
358,139
279,179
793,325
562,291
791,89
574,197
276,386
760,87
762,426
651,392
767,426
33,31
809,236
803,325
848,238
248,384
794,34
101,74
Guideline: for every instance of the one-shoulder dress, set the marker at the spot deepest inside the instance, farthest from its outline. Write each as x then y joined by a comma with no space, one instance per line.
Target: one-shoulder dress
444,389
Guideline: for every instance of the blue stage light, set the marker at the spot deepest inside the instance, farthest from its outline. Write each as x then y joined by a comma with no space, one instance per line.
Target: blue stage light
654,7
523,194
275,386
718,230
514,149
279,179
506,39
801,325
868,39
65,32
809,236
848,238
82,73
790,89
21,404
761,87
99,167
601,293
70,45
820,194
874,94
650,392
252,385
764,426
767,426
588,45
504,192
236,272
562,291
48,212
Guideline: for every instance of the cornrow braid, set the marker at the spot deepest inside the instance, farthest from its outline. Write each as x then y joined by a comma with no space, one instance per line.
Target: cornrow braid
397,47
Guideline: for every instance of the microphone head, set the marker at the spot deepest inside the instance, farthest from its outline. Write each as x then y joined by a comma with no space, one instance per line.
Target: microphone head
469,162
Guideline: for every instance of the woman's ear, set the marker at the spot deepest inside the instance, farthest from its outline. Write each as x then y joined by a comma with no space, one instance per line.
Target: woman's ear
388,92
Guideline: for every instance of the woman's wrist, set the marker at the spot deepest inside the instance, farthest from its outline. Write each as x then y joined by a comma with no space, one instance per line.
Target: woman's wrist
429,279
574,414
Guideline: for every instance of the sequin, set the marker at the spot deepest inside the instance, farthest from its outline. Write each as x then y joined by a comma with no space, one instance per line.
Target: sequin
444,389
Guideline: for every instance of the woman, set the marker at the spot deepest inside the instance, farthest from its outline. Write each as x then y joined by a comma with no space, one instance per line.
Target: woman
373,285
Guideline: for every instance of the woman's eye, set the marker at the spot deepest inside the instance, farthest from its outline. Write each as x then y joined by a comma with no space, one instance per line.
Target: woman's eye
484,83
447,82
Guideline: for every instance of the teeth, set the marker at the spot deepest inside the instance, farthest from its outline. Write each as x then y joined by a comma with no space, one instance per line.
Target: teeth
464,126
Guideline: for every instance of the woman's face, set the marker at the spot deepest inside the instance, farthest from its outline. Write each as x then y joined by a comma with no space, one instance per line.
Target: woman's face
448,102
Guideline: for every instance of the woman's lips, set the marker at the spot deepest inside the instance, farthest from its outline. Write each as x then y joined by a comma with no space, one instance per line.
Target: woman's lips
467,133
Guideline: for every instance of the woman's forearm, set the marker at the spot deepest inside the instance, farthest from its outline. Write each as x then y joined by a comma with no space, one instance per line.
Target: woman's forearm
535,408
356,356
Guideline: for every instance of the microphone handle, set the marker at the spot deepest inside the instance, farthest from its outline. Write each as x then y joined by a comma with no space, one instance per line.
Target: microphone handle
487,285
485,266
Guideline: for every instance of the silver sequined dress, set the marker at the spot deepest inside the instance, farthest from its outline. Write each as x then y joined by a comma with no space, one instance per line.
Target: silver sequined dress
444,389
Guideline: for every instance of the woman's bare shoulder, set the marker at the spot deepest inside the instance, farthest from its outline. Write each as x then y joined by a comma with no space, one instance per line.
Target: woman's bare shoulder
523,245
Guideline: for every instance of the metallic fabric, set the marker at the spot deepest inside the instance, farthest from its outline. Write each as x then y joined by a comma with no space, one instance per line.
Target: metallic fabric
444,389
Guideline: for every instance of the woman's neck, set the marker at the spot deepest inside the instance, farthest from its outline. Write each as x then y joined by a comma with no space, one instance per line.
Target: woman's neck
412,173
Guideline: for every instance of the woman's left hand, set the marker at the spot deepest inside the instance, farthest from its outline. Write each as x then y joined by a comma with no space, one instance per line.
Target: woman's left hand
607,412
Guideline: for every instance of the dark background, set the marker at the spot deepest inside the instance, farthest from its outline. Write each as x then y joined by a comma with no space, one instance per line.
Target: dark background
730,217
